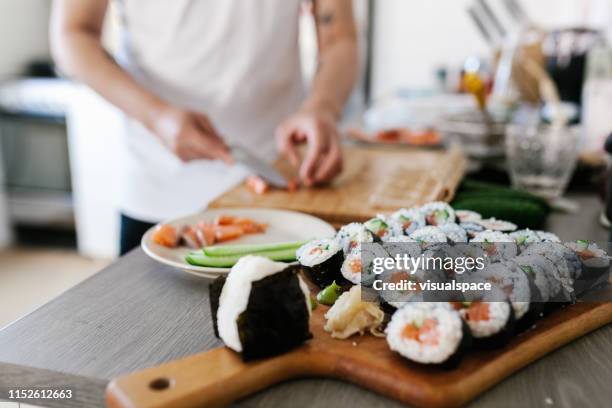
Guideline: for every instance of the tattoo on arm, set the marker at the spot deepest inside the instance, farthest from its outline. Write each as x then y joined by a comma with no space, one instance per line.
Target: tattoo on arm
325,17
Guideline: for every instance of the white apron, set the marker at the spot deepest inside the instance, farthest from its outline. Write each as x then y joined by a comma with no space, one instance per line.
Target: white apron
235,60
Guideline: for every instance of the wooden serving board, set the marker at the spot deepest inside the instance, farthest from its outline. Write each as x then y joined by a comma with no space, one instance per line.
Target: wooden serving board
218,377
374,180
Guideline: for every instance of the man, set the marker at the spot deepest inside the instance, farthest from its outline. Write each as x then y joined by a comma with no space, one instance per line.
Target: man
196,76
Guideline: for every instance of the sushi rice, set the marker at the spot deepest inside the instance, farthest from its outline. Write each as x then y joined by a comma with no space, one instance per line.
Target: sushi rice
429,235
384,227
438,213
427,333
410,219
352,235
316,252
454,232
236,292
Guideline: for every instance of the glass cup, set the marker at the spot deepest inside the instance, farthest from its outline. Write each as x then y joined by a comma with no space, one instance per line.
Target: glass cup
542,158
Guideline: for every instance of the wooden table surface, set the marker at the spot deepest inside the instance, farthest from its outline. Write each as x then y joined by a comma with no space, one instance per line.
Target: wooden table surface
137,313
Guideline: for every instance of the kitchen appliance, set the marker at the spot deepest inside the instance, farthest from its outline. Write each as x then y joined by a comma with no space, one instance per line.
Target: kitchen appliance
34,153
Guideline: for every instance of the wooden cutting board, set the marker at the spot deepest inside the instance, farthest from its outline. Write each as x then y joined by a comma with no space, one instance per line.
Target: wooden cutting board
218,377
374,180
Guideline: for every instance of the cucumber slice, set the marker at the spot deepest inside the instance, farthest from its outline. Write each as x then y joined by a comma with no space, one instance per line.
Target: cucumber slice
201,259
243,249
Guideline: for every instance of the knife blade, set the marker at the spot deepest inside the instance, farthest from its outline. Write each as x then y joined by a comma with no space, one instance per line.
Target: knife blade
259,167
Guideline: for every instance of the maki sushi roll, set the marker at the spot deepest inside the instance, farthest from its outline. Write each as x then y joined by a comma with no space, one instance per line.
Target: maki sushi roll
262,308
454,232
548,237
354,270
595,263
467,216
428,333
525,237
384,227
438,213
497,245
494,224
523,295
352,235
538,265
402,245
567,268
322,261
490,320
410,219
471,228
429,235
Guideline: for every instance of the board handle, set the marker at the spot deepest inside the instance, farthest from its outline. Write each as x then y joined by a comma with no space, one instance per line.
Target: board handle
210,379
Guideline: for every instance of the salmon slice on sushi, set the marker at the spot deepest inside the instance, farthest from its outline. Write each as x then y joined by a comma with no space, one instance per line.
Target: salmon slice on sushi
428,333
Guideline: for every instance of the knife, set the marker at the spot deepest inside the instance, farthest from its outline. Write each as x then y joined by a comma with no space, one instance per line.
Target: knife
259,167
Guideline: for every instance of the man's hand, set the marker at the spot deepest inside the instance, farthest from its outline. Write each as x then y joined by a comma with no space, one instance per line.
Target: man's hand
190,135
323,158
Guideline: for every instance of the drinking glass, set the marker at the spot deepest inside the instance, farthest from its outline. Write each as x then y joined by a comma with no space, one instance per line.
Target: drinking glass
541,158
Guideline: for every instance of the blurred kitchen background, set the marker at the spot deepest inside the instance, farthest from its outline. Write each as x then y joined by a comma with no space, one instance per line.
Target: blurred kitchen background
426,65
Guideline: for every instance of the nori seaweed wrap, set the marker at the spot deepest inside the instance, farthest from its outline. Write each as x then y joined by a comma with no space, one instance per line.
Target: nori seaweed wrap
322,262
262,308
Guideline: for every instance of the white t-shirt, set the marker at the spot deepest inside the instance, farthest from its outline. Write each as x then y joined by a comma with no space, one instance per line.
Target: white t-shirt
235,60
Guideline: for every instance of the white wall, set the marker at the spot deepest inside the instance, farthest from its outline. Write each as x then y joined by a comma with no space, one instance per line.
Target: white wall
23,34
413,37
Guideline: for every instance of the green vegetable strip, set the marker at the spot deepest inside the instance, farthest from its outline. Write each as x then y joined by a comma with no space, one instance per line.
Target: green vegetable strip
201,259
231,250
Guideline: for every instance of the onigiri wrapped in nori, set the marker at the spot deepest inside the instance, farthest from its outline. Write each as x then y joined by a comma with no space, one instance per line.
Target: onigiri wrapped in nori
262,308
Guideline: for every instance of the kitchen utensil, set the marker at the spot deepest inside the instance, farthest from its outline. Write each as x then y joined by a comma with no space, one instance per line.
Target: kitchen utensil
218,377
350,197
283,226
480,25
517,12
259,167
541,158
491,17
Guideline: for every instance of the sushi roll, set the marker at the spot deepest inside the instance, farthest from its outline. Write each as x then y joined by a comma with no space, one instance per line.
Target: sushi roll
428,333
402,245
395,299
525,237
522,292
429,235
351,267
567,269
322,261
352,235
471,228
467,216
357,267
454,232
410,219
539,265
536,273
595,264
497,245
491,321
261,309
494,224
384,227
438,213
548,237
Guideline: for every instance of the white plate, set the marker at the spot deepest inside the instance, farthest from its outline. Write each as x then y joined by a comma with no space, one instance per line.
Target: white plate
282,226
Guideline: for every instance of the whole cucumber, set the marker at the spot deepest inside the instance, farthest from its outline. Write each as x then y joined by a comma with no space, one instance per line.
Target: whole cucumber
524,213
